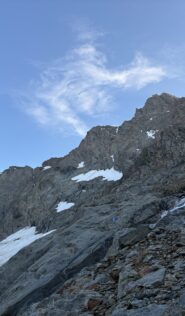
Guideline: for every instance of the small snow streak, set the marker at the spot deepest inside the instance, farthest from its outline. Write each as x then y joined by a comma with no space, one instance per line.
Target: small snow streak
81,164
151,133
47,167
178,205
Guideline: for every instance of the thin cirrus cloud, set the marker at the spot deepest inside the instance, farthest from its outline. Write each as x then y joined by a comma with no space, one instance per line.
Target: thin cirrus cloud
80,86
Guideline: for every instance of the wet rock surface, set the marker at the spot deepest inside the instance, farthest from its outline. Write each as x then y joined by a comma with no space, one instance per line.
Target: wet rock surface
119,250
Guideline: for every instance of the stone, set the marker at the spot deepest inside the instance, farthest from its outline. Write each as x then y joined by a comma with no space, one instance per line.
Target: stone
132,235
155,278
126,275
115,274
182,300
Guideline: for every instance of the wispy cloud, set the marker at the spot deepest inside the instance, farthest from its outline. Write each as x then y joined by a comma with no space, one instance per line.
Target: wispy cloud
81,85
85,31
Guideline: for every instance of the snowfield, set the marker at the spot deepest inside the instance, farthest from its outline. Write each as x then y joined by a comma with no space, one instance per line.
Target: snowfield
17,241
63,206
108,174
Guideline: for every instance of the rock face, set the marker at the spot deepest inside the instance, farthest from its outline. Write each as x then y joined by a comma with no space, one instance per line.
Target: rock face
118,248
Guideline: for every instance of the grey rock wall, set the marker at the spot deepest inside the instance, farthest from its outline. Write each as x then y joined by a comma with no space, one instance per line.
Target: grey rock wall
111,253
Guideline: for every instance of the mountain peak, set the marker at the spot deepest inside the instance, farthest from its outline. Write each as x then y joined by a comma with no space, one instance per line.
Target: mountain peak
162,102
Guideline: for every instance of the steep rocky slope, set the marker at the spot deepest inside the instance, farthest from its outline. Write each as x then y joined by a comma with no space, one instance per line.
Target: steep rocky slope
118,248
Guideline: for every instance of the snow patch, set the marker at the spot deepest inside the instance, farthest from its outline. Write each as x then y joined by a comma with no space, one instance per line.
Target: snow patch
10,246
112,156
63,206
47,167
81,164
151,133
151,118
108,174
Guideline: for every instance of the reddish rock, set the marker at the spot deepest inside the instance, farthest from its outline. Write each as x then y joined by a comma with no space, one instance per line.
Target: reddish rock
94,287
93,303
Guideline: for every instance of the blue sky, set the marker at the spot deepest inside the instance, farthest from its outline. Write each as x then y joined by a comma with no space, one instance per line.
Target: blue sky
69,65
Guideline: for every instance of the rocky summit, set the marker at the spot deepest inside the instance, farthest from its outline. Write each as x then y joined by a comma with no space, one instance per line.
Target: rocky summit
100,231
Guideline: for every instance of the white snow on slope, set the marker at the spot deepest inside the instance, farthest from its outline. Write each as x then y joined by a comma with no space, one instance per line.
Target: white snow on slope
164,214
63,206
179,204
108,174
47,167
112,156
81,164
151,134
17,241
